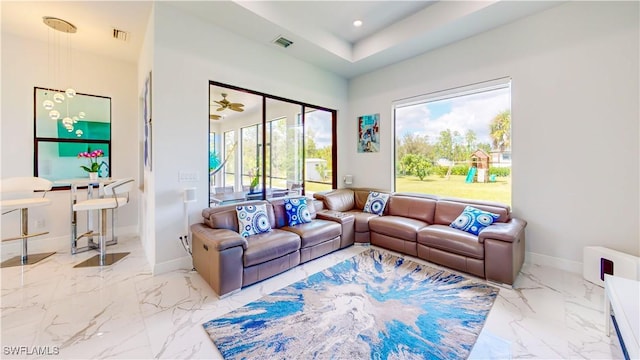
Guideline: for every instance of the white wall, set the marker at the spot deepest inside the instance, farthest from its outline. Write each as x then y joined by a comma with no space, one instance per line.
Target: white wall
575,121
146,215
24,66
181,73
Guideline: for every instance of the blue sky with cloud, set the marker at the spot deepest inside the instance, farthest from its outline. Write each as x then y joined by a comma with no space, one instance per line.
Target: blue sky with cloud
473,112
319,123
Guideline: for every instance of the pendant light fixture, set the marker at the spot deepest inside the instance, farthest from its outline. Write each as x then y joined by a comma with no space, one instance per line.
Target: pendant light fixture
61,98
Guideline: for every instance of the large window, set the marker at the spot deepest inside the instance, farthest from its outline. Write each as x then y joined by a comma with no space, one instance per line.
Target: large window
66,126
284,147
456,143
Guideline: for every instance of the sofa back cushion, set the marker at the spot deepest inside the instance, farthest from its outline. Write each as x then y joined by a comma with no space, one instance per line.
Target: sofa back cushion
447,210
338,200
360,198
226,217
415,207
280,213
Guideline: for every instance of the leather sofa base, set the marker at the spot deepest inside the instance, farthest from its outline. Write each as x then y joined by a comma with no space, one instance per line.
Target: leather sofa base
218,268
454,261
259,272
504,260
362,237
316,251
391,243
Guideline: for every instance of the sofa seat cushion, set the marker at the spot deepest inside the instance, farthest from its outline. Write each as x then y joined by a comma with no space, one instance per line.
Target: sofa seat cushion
268,246
361,220
397,226
451,240
315,232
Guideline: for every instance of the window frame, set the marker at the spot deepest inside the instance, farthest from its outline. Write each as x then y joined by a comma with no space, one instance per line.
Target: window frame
451,93
38,140
262,134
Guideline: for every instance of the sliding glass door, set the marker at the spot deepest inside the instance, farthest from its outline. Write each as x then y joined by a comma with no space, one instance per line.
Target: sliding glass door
318,150
284,148
271,147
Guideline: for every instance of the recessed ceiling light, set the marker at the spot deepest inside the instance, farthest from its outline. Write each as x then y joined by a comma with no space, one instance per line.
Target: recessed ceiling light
357,23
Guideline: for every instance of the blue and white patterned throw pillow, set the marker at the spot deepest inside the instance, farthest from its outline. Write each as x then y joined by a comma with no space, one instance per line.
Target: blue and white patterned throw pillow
297,211
252,219
375,203
473,220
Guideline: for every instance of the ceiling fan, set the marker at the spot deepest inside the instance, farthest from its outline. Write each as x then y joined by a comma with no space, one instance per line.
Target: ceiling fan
226,104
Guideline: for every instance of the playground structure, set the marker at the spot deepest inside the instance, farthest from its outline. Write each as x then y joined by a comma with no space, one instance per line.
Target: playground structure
479,169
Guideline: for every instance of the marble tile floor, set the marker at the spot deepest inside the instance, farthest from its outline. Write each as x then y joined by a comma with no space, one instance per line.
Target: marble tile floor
124,312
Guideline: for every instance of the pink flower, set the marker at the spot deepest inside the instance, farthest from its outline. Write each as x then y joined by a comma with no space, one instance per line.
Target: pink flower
93,159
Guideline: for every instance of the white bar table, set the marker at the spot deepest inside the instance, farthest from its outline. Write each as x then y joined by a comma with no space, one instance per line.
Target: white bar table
90,184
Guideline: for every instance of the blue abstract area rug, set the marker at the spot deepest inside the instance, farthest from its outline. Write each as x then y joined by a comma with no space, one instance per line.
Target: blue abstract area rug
375,305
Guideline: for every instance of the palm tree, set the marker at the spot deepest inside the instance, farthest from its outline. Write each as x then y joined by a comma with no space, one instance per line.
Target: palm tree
500,130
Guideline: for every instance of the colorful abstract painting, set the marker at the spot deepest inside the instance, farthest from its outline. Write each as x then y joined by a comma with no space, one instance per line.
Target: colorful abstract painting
374,305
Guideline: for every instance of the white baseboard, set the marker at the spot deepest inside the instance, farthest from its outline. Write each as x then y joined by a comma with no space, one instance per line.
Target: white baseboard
182,263
555,262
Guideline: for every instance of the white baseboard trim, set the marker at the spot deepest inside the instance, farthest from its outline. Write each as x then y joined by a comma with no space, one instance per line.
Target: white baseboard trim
182,263
555,262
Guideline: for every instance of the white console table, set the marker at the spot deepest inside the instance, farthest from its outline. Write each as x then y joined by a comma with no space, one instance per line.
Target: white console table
623,297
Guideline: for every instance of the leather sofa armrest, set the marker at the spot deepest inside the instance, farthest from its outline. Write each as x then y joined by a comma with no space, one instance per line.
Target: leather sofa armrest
346,221
508,232
336,216
220,239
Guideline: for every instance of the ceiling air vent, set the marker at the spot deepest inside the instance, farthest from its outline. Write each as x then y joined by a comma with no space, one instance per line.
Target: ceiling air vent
282,41
120,35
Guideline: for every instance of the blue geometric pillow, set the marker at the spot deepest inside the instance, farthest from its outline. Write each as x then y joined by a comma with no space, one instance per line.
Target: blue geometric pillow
297,211
473,220
252,219
375,203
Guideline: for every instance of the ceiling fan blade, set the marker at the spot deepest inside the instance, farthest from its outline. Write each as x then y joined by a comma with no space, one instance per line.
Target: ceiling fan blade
214,117
236,108
221,103
221,108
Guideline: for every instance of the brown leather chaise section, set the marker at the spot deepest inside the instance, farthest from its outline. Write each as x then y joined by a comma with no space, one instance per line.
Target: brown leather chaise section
229,262
418,225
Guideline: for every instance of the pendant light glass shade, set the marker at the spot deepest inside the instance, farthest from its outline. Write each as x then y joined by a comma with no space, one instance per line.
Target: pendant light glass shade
59,96
54,114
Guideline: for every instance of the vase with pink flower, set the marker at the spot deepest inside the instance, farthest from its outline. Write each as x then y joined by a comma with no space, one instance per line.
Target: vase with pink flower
94,165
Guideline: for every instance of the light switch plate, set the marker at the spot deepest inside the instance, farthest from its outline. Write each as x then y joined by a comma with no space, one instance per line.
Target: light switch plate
187,176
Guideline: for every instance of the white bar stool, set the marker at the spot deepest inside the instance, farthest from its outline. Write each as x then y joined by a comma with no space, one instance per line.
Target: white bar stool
18,194
116,195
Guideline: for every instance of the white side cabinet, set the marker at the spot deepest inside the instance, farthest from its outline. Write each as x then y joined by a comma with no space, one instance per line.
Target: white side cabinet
622,296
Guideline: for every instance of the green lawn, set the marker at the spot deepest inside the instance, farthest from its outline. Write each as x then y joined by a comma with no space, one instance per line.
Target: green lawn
456,186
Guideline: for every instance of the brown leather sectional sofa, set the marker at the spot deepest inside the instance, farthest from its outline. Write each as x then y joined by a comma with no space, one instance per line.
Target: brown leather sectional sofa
412,224
228,262
418,225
